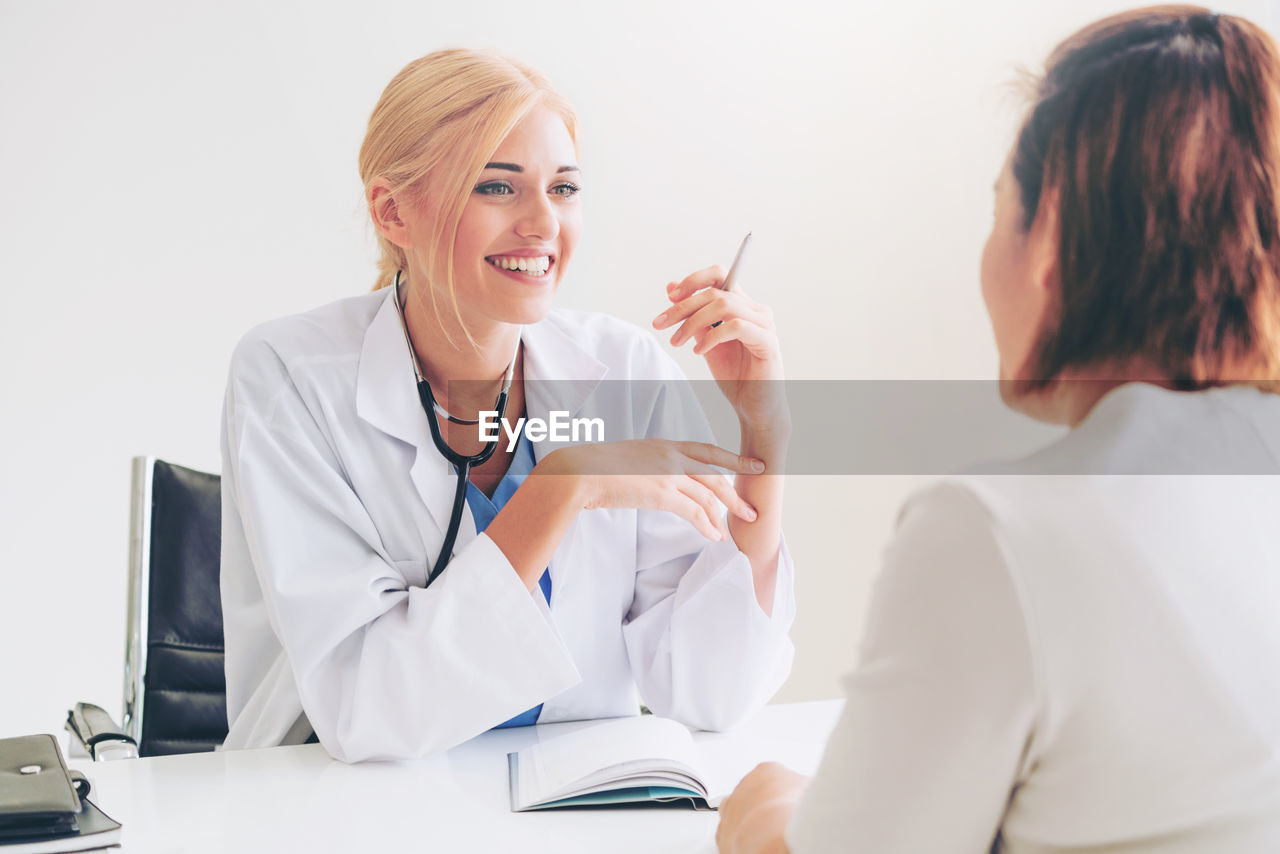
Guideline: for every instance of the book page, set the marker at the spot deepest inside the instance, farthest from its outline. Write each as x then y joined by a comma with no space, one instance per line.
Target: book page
585,757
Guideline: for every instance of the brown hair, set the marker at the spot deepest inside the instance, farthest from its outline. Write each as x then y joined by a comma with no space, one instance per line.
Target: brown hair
1157,133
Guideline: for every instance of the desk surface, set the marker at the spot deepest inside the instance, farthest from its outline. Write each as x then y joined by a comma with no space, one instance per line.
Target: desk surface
297,798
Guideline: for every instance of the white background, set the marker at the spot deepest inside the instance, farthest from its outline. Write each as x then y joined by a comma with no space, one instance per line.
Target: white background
171,174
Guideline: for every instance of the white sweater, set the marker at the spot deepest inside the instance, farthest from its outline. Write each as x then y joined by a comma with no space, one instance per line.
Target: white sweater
1081,653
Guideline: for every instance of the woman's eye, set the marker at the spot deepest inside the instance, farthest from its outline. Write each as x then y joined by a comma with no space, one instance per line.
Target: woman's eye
566,189
495,188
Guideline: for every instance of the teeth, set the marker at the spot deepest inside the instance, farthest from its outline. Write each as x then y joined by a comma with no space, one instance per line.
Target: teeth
536,266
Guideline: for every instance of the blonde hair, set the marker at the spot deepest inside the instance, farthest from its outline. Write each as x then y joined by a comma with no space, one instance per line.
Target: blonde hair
439,120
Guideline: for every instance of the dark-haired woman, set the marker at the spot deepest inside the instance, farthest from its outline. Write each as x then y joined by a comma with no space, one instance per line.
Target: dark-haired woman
1091,661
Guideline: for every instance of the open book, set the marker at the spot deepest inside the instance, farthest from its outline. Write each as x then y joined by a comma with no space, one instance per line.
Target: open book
628,760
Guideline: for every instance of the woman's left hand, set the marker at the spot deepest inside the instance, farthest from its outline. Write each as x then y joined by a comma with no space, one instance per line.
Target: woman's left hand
741,351
753,820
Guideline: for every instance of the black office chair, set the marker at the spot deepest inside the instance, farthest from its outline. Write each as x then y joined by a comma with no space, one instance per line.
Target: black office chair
175,693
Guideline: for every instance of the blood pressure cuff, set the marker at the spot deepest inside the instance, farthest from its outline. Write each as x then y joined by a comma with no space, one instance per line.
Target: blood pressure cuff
39,797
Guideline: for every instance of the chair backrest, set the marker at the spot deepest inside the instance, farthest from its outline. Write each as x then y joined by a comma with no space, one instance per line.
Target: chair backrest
175,694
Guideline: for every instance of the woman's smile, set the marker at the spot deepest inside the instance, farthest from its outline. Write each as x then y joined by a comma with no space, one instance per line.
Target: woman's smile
529,265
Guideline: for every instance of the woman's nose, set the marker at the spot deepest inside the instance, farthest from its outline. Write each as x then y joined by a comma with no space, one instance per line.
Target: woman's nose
538,218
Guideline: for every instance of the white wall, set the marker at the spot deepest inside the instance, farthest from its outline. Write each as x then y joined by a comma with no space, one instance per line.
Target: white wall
174,173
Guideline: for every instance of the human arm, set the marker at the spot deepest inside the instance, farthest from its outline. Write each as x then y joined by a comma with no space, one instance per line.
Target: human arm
654,474
692,616
694,613
737,336
702,645
940,708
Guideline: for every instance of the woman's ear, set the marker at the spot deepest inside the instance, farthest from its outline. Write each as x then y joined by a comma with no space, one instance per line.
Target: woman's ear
387,215
1043,243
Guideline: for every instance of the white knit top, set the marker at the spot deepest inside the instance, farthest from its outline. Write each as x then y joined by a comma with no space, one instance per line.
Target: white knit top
1081,654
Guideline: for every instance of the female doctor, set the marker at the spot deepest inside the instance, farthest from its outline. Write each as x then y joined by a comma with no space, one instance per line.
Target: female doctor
578,572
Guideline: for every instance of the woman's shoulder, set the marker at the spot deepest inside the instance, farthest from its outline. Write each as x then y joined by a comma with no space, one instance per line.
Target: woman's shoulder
328,330
321,345
1140,428
1151,478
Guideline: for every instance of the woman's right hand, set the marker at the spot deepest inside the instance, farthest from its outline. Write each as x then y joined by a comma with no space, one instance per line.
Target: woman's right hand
656,474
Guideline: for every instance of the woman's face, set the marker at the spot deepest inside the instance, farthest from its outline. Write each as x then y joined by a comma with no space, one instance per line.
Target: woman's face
520,225
1017,270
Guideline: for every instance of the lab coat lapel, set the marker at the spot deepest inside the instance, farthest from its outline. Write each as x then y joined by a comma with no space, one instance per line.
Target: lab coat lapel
559,374
387,398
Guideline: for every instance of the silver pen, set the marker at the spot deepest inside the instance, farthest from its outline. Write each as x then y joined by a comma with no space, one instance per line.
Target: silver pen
732,275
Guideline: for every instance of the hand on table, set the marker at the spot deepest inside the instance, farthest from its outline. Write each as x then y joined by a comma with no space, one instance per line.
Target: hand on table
754,818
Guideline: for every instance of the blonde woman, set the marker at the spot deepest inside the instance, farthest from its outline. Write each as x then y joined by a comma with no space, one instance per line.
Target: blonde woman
366,604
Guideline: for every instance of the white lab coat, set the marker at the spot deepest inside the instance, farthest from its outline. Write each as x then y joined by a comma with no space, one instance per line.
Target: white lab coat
335,503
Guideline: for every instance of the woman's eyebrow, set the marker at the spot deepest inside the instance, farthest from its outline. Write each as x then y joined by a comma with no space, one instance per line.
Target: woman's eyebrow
515,167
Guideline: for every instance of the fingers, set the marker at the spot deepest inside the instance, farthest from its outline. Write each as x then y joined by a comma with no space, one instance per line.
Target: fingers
684,308
685,505
713,317
717,456
710,277
707,307
717,308
727,308
683,478
707,492
729,497
697,501
728,819
758,341
735,812
706,501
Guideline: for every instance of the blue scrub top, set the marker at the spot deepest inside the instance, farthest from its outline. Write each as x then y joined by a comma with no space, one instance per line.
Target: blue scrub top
484,509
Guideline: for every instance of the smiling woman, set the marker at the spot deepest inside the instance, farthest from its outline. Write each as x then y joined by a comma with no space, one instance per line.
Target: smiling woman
359,608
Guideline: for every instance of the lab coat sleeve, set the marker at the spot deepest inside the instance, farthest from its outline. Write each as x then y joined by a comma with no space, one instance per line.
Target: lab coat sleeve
936,729
702,650
384,670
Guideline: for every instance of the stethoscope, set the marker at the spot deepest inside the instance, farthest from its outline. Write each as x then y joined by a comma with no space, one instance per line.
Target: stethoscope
463,463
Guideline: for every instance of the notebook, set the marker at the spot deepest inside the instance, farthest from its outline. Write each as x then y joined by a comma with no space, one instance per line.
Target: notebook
644,759
97,831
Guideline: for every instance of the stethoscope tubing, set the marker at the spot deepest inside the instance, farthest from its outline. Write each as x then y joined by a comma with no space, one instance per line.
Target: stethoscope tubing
463,462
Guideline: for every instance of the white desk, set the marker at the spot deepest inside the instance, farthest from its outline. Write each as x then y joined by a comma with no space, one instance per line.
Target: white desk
298,799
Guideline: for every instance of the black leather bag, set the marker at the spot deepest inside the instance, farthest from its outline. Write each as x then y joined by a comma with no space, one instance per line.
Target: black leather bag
39,797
